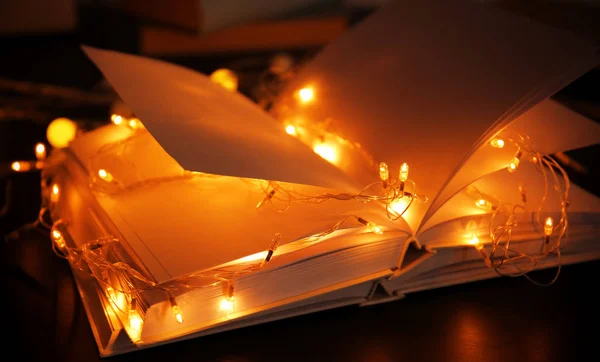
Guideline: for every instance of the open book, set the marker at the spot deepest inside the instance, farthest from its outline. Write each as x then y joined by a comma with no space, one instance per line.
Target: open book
410,154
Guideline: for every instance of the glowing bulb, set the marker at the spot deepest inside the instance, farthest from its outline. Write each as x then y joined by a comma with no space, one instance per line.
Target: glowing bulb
135,322
61,132
548,226
474,240
374,228
135,123
105,175
399,206
177,313
484,204
291,130
514,163
384,173
54,193
21,166
55,189
306,94
225,78
326,151
227,304
40,151
116,119
404,172
497,143
58,238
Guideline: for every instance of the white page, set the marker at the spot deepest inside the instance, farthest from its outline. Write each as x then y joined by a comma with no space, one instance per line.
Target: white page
550,125
505,187
421,82
209,129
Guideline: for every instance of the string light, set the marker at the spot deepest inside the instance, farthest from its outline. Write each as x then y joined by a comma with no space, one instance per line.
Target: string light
105,175
514,163
306,94
403,175
225,78
374,228
548,229
54,193
484,204
116,119
136,322
497,143
176,310
271,250
40,151
290,129
21,166
58,238
384,174
227,303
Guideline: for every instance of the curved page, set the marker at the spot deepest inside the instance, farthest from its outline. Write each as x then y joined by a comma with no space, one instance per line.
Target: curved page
422,81
209,129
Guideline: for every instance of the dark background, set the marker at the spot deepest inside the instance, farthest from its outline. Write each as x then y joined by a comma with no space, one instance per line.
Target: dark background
497,320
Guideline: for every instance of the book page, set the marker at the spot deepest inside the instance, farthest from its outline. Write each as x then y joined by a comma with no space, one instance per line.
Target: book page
209,129
550,125
422,81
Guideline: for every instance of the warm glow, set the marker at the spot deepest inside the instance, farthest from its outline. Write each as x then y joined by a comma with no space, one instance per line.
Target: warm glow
56,234
117,298
474,240
135,322
483,204
384,173
225,78
291,130
306,94
116,119
40,151
548,226
54,194
399,206
497,143
512,166
59,240
104,175
61,132
177,313
326,151
20,166
374,228
227,304
135,123
404,172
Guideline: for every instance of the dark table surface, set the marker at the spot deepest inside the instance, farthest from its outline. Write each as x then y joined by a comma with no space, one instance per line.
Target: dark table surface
502,319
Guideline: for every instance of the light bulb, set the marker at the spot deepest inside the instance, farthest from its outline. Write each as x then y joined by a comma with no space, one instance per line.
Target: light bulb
272,248
54,193
135,321
326,151
227,304
384,173
21,166
372,227
514,163
105,175
61,132
484,204
497,143
177,313
116,119
307,94
291,130
548,226
40,151
58,238
225,78
135,123
404,172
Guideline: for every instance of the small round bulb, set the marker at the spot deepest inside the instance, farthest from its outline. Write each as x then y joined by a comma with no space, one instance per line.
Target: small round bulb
61,132
484,204
225,78
116,119
548,226
291,130
105,175
40,151
306,94
497,143
384,173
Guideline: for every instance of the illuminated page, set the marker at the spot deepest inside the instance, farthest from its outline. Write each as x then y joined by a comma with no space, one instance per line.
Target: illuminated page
550,125
422,81
209,129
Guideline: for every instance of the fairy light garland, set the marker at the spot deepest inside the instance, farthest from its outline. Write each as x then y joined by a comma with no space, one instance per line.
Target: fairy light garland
124,285
503,256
